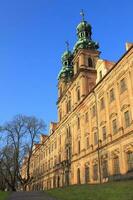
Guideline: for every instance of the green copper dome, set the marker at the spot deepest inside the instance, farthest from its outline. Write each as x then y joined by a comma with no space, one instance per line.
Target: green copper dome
66,72
84,32
66,55
84,26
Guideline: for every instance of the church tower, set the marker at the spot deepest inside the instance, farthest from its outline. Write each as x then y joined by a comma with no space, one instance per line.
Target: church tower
78,68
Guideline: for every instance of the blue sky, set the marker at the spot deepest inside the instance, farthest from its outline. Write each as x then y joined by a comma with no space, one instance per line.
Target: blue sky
32,40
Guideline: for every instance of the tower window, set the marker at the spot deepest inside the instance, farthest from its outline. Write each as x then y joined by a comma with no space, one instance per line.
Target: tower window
90,64
78,94
100,75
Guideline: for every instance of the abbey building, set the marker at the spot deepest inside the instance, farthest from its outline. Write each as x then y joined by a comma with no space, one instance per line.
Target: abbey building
92,141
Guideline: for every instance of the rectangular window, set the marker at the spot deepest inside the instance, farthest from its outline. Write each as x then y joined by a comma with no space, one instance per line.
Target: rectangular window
105,168
102,104
78,123
112,95
116,166
86,117
78,146
127,118
104,132
59,158
114,126
87,174
94,111
123,86
100,75
95,172
95,138
87,142
130,161
78,94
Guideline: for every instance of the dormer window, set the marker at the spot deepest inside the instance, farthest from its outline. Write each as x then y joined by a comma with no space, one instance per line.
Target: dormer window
90,64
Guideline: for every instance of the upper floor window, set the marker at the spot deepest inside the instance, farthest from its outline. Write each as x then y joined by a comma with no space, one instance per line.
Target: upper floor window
95,138
60,114
112,95
78,94
100,75
94,111
114,126
86,117
102,104
127,118
68,132
104,132
78,146
59,158
60,139
87,142
123,86
90,64
69,104
78,122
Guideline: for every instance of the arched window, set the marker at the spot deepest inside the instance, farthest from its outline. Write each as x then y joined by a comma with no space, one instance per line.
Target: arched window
66,63
78,94
76,66
60,91
90,64
87,174
78,176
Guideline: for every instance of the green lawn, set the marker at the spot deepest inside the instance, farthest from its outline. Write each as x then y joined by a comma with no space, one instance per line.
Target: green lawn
4,195
108,191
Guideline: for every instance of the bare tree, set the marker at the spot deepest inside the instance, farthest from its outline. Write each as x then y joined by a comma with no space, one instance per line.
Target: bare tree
21,133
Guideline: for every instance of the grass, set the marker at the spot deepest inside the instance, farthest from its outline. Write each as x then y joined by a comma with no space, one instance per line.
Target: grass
108,191
4,195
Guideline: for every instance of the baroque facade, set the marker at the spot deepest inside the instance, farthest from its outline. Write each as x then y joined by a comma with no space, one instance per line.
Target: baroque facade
93,139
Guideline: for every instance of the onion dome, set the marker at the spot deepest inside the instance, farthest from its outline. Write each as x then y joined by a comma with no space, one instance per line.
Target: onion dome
66,72
84,32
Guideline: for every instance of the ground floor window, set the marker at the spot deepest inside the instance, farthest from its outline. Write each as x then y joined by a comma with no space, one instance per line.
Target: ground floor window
95,172
87,174
105,168
78,176
116,166
130,161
